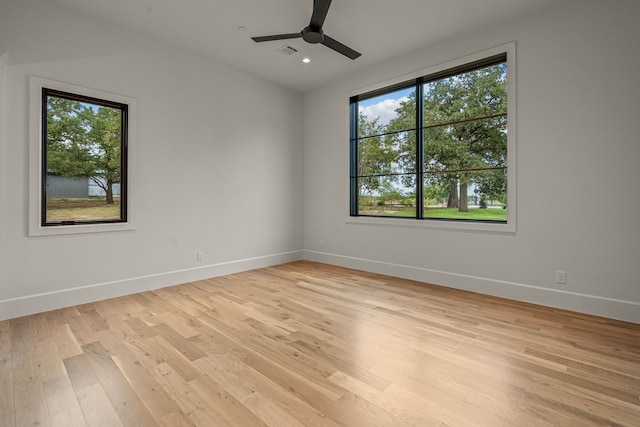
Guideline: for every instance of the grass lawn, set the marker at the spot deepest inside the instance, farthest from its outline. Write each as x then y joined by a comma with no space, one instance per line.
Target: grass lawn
437,213
63,209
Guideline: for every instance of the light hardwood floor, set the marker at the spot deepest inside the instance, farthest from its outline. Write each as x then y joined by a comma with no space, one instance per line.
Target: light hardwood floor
306,344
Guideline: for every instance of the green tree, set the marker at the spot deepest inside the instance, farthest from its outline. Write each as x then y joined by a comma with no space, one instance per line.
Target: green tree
376,158
66,138
84,141
402,133
104,145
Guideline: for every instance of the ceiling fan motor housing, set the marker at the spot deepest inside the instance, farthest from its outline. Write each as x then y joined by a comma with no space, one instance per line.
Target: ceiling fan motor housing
313,35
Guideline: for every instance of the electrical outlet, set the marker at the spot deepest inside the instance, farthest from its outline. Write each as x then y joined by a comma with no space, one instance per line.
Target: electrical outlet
200,256
321,244
561,277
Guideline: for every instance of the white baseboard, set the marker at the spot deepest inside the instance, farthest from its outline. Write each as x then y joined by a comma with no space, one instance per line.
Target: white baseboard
31,304
600,306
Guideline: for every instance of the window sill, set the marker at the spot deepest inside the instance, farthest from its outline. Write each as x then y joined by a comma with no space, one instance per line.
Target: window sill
59,230
492,227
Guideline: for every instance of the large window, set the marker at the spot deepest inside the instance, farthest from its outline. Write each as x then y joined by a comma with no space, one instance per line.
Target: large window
80,159
433,147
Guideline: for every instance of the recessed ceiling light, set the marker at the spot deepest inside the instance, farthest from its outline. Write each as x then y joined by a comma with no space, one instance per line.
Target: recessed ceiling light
306,60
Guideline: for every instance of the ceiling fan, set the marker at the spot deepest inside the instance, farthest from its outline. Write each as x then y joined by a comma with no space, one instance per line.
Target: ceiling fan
313,33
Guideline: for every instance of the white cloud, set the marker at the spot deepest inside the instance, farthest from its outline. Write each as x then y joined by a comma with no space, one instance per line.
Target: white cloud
385,110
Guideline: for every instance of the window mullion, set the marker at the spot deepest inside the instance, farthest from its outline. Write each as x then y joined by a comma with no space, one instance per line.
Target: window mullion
354,200
43,158
419,148
124,163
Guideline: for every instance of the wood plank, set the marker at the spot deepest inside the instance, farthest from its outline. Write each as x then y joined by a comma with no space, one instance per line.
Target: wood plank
63,405
232,409
28,394
407,411
126,403
65,341
97,408
179,342
241,381
30,403
176,419
156,398
161,351
80,372
7,407
196,408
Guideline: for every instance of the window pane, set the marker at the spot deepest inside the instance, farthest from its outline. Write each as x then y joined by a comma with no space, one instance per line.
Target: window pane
387,195
474,94
472,144
465,145
391,112
383,155
84,143
478,195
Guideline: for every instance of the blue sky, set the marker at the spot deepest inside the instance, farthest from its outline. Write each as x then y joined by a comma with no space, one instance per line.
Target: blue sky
384,106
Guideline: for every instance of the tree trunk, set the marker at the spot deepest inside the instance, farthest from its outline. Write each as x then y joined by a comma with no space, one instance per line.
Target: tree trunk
464,205
109,192
453,194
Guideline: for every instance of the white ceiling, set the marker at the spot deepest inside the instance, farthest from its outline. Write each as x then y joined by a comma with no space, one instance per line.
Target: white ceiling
379,29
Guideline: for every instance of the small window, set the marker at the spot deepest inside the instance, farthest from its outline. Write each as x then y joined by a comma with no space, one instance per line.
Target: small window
433,148
84,173
81,154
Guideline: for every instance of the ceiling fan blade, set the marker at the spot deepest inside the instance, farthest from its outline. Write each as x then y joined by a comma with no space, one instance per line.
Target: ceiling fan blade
277,37
320,10
339,47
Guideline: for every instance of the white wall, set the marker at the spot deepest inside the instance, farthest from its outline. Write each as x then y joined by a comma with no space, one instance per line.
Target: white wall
218,166
578,162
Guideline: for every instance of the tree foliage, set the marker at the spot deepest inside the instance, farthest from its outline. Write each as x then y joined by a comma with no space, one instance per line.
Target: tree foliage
84,140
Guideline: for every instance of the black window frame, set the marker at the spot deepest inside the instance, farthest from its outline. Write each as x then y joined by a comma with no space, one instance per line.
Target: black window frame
418,85
124,141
